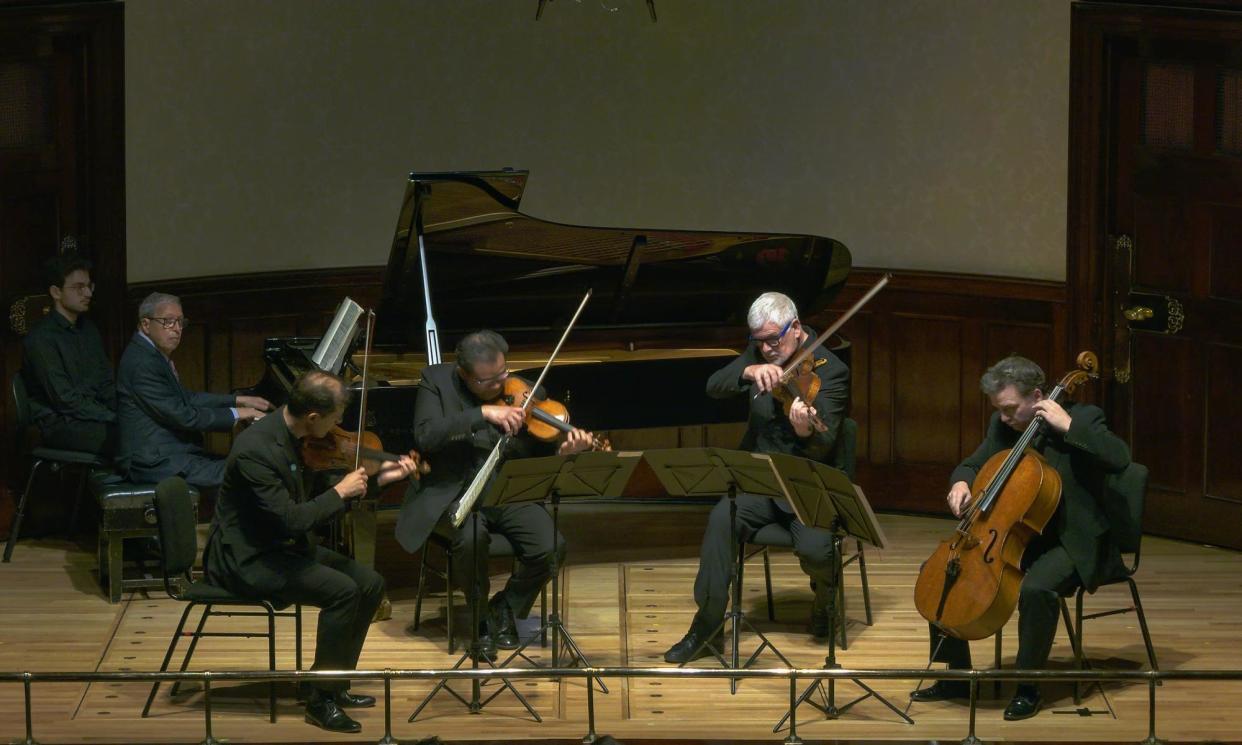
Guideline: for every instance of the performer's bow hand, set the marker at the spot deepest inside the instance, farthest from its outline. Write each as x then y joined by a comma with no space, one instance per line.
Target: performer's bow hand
575,442
765,377
508,418
959,497
1056,417
802,417
396,470
353,485
254,402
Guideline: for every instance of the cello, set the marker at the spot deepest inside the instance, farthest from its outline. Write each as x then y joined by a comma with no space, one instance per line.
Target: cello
969,586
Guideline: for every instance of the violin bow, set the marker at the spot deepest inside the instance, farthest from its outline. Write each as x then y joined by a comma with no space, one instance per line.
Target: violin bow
471,495
362,399
809,349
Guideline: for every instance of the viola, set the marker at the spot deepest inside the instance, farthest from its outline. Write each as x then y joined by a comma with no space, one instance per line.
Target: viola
803,383
341,449
546,419
969,586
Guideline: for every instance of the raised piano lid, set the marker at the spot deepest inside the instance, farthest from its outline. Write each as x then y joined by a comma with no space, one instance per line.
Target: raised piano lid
491,266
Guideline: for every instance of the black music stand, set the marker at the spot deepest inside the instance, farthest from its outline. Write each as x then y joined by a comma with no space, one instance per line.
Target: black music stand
711,472
474,650
588,475
823,497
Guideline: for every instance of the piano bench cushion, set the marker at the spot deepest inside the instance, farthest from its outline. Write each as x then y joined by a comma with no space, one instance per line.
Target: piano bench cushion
125,505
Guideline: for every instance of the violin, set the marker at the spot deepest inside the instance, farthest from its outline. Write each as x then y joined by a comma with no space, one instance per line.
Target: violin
341,449
546,419
803,383
969,586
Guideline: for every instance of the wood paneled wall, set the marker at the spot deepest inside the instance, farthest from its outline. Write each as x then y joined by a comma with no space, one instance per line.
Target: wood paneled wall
917,352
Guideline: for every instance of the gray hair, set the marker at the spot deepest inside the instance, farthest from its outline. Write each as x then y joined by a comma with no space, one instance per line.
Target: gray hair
153,301
480,346
771,307
1019,372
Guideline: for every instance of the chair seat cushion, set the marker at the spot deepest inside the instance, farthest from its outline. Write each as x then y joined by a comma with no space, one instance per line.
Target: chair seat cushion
68,456
772,535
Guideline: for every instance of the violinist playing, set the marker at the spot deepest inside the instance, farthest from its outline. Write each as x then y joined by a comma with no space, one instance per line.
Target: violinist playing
260,545
1074,549
459,417
807,428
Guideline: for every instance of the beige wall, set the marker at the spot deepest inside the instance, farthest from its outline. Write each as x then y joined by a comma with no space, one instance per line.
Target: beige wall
925,134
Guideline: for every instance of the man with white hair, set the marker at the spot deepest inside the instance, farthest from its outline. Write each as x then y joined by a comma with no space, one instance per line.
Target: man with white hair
809,430
160,421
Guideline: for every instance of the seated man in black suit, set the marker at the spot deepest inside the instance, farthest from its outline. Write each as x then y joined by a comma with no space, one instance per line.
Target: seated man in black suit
458,419
161,422
68,376
776,335
260,544
1073,551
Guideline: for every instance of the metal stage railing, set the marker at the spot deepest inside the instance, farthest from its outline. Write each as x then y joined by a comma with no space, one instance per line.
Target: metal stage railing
1152,678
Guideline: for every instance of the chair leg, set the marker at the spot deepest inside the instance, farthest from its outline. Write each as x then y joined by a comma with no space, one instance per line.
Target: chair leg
862,573
841,619
422,588
1142,618
21,512
543,616
271,660
996,661
768,582
172,646
77,500
1075,646
116,568
297,630
189,652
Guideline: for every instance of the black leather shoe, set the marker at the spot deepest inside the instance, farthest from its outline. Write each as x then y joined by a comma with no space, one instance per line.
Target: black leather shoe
487,649
1025,704
347,700
941,690
684,650
323,712
503,624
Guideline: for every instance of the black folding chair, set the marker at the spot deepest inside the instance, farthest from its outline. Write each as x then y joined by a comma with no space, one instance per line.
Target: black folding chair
175,517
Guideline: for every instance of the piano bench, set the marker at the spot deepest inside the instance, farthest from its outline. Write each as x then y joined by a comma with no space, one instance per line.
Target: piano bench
126,510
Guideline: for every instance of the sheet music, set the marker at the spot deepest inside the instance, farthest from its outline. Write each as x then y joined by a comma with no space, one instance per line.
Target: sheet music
336,342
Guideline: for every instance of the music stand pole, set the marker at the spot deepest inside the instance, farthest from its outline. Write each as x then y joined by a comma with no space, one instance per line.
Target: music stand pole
474,651
736,617
829,707
560,634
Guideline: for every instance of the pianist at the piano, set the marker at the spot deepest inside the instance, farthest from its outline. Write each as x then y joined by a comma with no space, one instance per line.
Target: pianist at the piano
456,428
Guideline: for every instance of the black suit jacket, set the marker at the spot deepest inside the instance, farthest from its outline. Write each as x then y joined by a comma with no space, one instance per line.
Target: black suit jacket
160,422
1083,456
263,518
450,431
767,427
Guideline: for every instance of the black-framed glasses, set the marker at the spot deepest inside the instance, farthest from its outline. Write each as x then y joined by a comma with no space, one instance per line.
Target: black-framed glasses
494,379
773,341
81,286
170,322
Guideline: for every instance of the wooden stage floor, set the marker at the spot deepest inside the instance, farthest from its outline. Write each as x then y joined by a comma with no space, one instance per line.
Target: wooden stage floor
629,597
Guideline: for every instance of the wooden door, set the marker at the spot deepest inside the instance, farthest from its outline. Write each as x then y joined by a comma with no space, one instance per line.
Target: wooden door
1160,276
61,173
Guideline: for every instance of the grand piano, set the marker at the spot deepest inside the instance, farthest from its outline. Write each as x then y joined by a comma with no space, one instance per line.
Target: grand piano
668,306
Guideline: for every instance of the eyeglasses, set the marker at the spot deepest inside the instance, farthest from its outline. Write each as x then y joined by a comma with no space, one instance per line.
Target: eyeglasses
81,286
494,379
773,341
170,322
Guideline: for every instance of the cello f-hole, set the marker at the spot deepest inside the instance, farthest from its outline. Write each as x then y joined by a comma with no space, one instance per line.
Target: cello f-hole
987,552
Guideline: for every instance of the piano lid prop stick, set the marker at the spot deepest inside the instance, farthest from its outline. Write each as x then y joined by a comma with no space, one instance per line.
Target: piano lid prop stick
471,495
433,334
